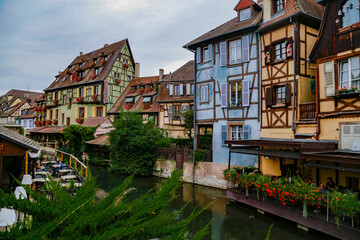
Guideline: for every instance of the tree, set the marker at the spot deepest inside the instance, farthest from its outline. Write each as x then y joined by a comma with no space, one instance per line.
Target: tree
115,217
132,144
77,135
188,122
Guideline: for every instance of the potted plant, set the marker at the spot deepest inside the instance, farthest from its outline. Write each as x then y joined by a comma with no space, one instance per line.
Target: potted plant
67,71
117,81
102,61
48,122
92,64
55,122
43,109
93,76
80,120
128,106
79,99
140,90
125,65
55,101
94,97
77,69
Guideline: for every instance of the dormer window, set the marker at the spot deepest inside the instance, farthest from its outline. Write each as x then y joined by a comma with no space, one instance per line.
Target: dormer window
350,13
82,64
245,14
129,100
97,71
278,6
147,100
95,60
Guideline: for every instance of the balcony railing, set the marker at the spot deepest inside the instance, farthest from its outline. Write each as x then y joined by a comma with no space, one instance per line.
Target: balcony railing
307,111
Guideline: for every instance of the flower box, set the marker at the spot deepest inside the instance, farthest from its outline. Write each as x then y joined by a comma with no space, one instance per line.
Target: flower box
147,89
79,78
37,123
93,76
117,81
79,99
102,61
42,122
43,109
55,101
55,122
80,120
140,90
48,122
128,106
77,69
92,64
125,65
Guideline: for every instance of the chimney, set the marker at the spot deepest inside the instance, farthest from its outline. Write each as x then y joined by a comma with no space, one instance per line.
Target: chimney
81,53
137,70
105,45
161,73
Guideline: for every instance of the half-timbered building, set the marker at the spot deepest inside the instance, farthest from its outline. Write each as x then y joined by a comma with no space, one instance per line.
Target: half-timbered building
90,85
227,82
176,96
337,57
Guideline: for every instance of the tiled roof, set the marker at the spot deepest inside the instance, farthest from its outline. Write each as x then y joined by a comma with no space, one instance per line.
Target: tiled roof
185,74
94,121
24,95
111,51
102,140
47,130
292,7
31,113
19,139
120,103
16,107
229,27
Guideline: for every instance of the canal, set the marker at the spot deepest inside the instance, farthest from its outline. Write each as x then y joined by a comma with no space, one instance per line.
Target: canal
229,220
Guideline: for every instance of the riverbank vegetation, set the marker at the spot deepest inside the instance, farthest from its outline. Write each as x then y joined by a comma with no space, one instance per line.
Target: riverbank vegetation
115,217
75,136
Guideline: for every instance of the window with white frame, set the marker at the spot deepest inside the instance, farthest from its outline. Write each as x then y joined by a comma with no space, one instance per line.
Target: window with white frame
236,132
278,5
350,13
192,88
350,73
177,90
235,94
206,54
280,51
204,94
239,50
350,137
81,93
245,14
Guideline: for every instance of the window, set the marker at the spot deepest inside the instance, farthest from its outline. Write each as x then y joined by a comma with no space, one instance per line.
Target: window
236,132
352,183
56,95
177,90
96,71
239,50
62,118
81,92
146,99
278,5
235,94
57,114
95,60
96,89
99,111
245,14
350,73
129,100
204,92
280,51
206,55
192,88
176,112
280,95
51,114
350,137
82,64
81,74
81,112
350,13
129,78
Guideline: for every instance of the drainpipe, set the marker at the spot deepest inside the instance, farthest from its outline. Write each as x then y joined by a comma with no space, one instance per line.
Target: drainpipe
293,126
195,127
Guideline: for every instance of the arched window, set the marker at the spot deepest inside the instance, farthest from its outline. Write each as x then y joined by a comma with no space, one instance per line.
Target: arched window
350,12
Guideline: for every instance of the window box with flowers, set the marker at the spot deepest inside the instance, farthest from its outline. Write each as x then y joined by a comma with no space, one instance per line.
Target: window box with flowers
79,78
92,64
140,90
147,89
128,106
42,122
55,122
37,123
146,106
102,61
125,65
80,120
117,81
55,102
347,92
43,109
93,76
48,122
79,99
176,115
132,91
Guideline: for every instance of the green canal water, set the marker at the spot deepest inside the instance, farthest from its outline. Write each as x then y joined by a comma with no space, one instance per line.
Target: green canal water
230,220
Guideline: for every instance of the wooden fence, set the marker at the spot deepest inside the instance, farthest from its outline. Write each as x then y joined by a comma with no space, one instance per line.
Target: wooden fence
73,162
179,155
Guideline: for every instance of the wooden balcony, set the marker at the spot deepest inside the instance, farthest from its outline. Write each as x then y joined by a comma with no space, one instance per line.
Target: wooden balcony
307,111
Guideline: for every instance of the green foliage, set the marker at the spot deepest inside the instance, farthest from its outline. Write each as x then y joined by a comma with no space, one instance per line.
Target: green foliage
188,122
133,143
199,156
22,130
114,217
268,235
343,204
77,135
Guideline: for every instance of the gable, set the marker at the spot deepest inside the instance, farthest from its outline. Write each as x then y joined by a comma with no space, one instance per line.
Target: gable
243,4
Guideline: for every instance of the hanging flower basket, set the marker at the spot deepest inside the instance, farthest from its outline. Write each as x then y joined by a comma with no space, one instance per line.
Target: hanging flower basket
74,75
37,123
55,101
43,109
93,76
140,90
79,78
48,122
92,64
117,81
125,65
79,99
80,120
77,69
102,61
147,90
55,122
42,122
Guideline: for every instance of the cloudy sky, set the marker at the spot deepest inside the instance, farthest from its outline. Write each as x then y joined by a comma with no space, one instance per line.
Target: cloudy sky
39,38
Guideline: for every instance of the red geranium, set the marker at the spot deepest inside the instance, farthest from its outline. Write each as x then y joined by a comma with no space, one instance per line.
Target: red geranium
94,97
48,122
80,120
55,122
102,61
79,99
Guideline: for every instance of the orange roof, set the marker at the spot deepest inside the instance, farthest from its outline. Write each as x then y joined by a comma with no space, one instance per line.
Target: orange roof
47,130
94,121
244,4
102,140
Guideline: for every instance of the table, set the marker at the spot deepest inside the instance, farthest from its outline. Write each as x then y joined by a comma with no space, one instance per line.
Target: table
68,177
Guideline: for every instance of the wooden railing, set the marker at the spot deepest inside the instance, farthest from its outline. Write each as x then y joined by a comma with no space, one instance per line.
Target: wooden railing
185,155
307,111
73,162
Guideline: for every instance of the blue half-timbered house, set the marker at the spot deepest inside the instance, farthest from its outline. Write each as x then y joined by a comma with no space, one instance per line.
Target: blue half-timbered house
227,82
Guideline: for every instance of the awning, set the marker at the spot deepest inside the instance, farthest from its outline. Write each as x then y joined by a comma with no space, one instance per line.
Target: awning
337,168
340,156
269,153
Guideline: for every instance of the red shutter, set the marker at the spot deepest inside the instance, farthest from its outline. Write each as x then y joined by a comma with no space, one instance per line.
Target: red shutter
269,97
287,94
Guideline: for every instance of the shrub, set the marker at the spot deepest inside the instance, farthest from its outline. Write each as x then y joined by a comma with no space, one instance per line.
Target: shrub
77,135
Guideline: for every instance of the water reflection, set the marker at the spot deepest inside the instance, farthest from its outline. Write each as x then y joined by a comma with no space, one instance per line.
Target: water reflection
229,220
